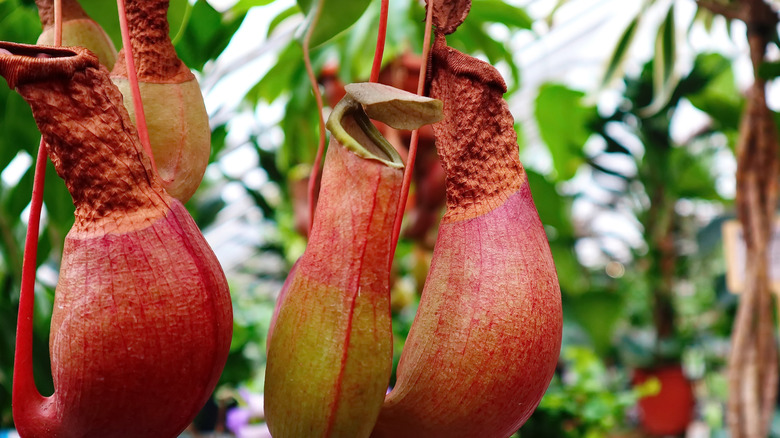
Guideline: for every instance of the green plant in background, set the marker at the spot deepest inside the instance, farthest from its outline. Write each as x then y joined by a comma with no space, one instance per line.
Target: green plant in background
609,324
667,301
587,400
286,81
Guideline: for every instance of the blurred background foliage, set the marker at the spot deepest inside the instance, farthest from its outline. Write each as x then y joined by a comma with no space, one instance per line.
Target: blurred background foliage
632,172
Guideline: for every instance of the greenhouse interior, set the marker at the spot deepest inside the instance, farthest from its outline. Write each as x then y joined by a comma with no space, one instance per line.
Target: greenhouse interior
389,218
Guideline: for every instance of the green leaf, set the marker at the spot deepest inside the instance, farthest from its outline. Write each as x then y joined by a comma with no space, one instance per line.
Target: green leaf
563,125
769,70
664,78
570,272
179,13
18,126
704,17
327,18
358,46
8,146
597,313
665,47
615,64
552,207
279,78
206,40
59,204
44,251
18,23
106,14
475,39
403,25
20,195
279,19
559,4
243,6
716,92
692,174
300,134
497,11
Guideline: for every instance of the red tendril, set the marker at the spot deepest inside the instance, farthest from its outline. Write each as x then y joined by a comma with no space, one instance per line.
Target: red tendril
132,76
399,215
380,41
315,170
24,381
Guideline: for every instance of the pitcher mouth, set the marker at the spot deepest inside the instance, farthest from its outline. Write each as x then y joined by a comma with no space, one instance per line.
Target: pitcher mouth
350,126
34,51
25,63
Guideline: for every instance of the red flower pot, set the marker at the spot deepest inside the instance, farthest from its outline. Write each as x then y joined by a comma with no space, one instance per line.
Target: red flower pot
671,410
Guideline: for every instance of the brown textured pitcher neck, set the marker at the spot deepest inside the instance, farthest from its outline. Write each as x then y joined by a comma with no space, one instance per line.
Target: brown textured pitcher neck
71,10
92,142
154,55
476,140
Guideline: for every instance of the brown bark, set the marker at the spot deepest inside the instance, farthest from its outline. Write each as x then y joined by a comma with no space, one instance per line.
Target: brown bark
753,367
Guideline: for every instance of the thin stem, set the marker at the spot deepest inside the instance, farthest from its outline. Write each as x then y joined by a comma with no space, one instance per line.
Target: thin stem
380,41
399,215
318,97
57,22
132,76
24,381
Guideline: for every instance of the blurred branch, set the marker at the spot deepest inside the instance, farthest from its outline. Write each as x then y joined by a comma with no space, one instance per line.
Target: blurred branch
753,367
758,14
727,11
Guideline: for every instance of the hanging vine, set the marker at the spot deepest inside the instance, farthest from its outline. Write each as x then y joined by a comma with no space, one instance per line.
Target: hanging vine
753,367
